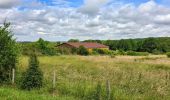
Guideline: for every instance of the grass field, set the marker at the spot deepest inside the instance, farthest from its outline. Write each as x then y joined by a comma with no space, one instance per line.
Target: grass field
131,78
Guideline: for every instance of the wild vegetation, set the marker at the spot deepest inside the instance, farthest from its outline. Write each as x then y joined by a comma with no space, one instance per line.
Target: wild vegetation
8,53
84,77
125,46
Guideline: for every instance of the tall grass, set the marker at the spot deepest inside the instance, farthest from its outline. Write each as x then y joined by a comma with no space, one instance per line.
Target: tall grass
84,77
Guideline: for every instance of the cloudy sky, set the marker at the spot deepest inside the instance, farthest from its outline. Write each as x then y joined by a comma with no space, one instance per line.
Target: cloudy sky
60,20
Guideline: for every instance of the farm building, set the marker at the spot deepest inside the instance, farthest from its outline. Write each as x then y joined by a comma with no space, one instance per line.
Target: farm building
88,45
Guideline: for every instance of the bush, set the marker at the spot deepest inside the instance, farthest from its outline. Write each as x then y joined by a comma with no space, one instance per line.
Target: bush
112,55
83,51
8,53
103,51
64,51
132,53
33,77
168,54
74,50
121,52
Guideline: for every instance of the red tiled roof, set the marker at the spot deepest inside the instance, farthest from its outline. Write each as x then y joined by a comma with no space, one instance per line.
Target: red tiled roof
87,45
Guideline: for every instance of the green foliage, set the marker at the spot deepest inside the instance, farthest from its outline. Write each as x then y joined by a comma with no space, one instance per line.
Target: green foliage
40,47
83,51
151,45
73,40
64,51
102,51
33,77
98,92
124,45
44,48
120,52
8,53
168,54
132,53
74,50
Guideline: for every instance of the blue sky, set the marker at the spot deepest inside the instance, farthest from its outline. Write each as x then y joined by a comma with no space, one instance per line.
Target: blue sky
60,20
77,3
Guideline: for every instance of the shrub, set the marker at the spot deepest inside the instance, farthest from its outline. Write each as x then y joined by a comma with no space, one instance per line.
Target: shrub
74,50
94,53
33,77
83,51
64,51
8,53
120,52
168,54
132,53
112,55
102,51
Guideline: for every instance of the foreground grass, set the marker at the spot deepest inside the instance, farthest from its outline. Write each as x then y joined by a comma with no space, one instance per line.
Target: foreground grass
131,78
7,93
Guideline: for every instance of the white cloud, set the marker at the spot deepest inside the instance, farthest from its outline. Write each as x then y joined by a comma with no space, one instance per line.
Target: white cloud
61,23
92,6
9,3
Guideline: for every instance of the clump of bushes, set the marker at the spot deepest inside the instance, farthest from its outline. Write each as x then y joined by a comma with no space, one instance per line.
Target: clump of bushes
102,51
33,77
168,54
83,51
133,53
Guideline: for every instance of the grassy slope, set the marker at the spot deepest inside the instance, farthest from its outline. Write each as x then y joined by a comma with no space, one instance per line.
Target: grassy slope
131,77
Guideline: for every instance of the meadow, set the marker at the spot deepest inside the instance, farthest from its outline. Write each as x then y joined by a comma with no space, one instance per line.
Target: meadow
78,78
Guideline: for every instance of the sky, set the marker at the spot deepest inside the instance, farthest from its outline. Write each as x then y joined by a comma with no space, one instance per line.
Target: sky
61,20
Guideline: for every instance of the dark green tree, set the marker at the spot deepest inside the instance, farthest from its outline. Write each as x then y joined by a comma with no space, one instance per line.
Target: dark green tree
8,53
33,77
124,45
149,45
83,51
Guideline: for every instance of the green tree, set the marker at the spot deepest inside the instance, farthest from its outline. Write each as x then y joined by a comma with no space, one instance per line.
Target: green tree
83,51
73,40
124,45
149,45
45,48
8,53
33,77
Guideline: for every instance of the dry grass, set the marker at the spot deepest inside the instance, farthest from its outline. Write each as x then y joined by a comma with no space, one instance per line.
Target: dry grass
131,77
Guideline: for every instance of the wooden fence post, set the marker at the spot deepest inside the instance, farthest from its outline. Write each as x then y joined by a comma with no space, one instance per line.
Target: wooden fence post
13,76
108,90
54,82
54,79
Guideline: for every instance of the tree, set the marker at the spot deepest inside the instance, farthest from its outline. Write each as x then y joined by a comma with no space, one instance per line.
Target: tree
82,51
8,53
149,45
33,77
45,48
124,45
73,40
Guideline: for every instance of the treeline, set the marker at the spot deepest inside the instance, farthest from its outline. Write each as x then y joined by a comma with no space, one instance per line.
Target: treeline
40,47
158,45
151,45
